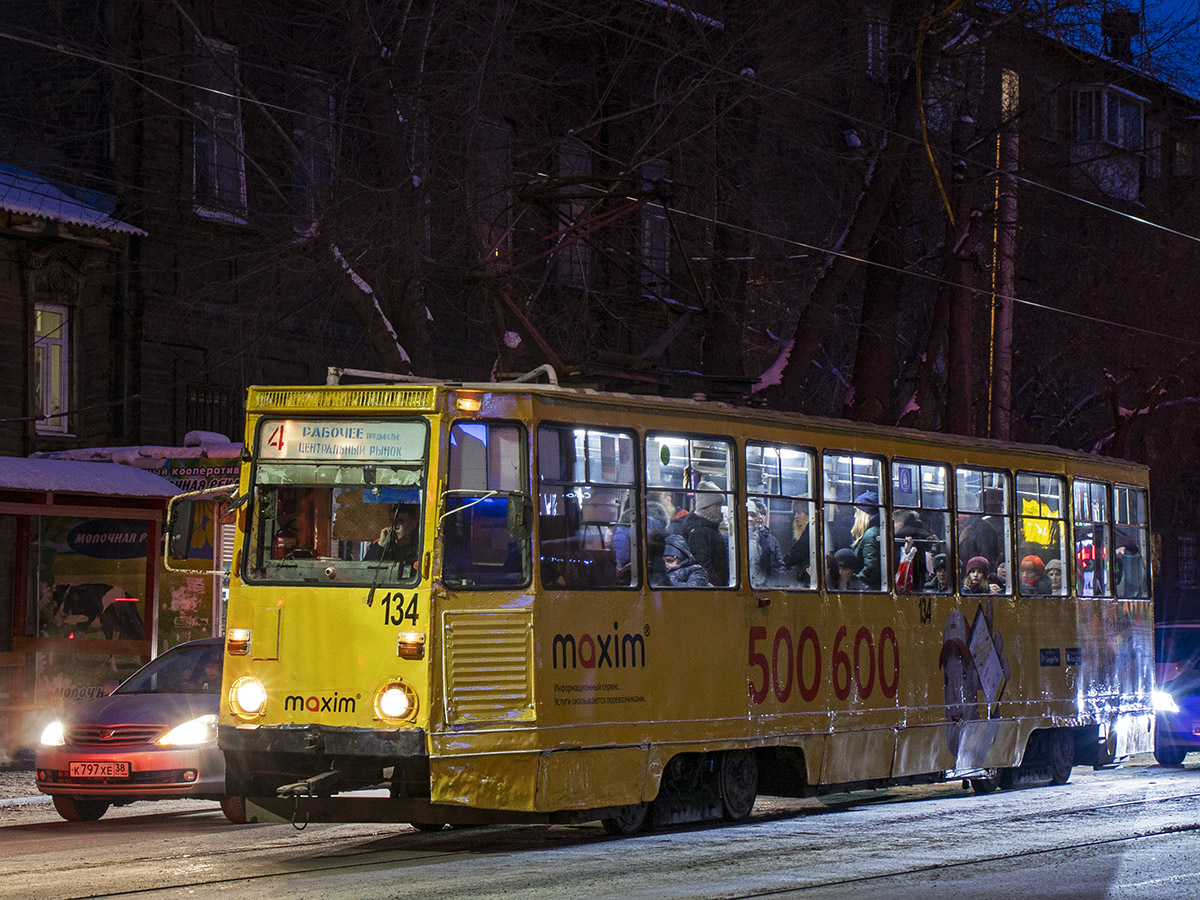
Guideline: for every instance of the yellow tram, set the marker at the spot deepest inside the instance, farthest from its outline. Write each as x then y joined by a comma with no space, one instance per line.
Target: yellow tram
526,602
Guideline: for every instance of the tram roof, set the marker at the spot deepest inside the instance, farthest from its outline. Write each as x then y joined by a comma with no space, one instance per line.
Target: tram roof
258,402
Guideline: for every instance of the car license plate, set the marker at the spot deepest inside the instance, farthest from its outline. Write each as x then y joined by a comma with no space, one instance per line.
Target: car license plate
100,769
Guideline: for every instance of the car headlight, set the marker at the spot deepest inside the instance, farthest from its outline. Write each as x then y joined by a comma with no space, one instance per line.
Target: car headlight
395,700
247,697
1163,702
52,735
198,731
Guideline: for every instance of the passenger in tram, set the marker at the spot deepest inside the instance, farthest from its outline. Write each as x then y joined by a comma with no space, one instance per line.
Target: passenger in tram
1054,574
798,557
702,530
865,535
844,576
399,543
915,545
766,557
975,580
939,582
1033,576
682,570
999,579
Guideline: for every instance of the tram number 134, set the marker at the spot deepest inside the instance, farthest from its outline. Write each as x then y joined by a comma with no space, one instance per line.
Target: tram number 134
861,662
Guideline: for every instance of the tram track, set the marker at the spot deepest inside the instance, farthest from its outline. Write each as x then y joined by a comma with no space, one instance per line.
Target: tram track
341,853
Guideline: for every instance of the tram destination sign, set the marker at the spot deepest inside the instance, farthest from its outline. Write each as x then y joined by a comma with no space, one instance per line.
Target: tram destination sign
342,439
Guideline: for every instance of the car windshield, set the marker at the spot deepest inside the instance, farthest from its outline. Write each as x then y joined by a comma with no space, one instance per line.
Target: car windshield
186,669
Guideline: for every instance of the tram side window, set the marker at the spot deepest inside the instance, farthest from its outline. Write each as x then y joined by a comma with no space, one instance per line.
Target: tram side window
856,554
1131,556
485,518
1092,538
779,510
920,525
587,507
689,501
984,525
1041,549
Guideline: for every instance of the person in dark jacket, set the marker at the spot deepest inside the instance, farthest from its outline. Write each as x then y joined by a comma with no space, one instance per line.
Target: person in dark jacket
766,557
798,558
682,569
865,534
702,530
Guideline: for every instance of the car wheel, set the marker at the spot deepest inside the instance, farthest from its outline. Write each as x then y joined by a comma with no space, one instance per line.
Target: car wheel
76,809
1169,754
234,809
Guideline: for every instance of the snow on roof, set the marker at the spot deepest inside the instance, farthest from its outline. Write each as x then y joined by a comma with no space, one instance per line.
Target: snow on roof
25,193
76,477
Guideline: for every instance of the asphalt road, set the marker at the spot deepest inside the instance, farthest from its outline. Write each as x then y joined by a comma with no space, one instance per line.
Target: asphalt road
1133,832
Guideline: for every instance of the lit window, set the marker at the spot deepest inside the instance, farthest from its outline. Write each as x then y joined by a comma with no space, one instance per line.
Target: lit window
219,171
51,370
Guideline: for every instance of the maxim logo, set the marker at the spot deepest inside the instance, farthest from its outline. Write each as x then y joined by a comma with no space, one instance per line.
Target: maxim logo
602,651
333,704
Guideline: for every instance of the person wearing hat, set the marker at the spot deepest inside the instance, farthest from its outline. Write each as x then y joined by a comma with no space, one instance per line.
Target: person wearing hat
702,530
975,579
939,581
1032,573
682,570
842,570
865,534
765,555
1054,574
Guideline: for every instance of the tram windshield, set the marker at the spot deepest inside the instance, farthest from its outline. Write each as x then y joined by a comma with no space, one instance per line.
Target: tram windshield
338,503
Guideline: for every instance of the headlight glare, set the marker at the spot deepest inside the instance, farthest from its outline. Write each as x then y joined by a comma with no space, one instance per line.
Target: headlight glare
1164,702
247,697
198,731
52,735
395,700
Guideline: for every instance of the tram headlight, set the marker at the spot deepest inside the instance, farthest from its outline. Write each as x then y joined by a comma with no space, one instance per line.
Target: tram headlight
247,697
1163,702
395,701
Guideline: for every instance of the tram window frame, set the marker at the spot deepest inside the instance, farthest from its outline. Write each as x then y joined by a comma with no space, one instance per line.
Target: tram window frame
1037,488
975,504
466,498
1091,515
784,499
838,500
923,559
1131,523
594,508
694,485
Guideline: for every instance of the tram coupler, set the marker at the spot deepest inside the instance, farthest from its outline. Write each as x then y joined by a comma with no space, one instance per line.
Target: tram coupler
318,786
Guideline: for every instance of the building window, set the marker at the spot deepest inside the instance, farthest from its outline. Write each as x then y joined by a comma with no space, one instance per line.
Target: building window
877,42
1104,114
51,377
1186,556
573,259
213,409
312,134
219,170
656,233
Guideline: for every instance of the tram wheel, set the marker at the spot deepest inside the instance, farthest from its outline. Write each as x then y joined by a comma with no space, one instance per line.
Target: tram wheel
1169,755
738,779
77,809
1061,755
984,785
428,826
628,820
